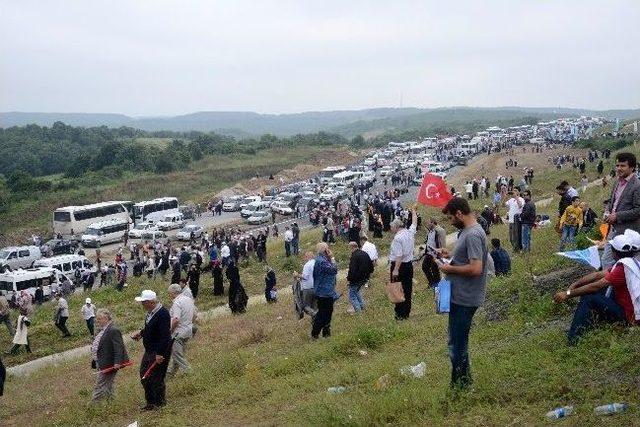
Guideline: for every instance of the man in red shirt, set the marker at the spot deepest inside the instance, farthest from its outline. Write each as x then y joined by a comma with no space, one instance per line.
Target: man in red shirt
604,294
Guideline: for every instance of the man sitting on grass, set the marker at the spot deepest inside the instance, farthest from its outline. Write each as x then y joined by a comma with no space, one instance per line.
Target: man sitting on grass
610,296
501,258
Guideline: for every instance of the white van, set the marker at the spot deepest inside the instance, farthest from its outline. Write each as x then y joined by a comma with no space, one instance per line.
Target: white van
13,282
249,199
67,264
19,256
253,207
171,222
104,232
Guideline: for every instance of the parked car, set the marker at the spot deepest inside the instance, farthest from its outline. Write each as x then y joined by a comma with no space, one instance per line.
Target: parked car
232,204
281,207
140,228
171,222
252,207
259,217
185,232
152,236
60,246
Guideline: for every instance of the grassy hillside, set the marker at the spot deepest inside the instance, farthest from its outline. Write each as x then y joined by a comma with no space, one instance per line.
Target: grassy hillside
262,368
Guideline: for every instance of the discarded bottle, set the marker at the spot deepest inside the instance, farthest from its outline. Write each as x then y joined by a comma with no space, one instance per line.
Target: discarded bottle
558,413
336,390
610,409
416,371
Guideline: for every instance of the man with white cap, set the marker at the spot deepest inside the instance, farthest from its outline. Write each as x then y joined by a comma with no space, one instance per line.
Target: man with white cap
88,311
156,338
605,293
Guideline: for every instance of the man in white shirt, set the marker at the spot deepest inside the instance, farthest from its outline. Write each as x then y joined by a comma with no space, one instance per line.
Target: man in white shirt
88,311
182,314
514,206
468,188
288,237
62,315
401,258
225,253
371,250
306,284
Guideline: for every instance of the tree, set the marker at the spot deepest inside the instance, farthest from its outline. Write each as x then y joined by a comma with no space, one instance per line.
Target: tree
358,141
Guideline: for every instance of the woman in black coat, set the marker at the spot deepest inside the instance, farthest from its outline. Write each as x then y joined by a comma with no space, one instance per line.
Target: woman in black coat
216,273
237,296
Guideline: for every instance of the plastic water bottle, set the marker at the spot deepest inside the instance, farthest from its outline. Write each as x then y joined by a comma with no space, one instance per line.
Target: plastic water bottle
610,409
558,413
336,390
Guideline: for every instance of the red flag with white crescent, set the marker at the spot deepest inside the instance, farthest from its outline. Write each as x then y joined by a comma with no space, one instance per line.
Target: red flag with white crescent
434,191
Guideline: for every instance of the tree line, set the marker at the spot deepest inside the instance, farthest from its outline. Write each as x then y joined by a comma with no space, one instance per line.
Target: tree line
61,149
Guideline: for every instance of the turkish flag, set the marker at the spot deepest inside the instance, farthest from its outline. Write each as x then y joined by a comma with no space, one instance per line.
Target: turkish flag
434,191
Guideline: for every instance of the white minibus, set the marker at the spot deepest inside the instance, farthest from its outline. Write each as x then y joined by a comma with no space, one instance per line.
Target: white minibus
104,232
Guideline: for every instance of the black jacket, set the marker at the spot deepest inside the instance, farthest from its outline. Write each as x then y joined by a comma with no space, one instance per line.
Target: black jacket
360,267
156,335
111,349
528,215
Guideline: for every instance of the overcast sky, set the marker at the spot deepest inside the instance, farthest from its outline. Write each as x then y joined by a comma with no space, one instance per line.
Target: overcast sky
175,57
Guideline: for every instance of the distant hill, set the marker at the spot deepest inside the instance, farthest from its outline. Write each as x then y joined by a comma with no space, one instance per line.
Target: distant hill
347,122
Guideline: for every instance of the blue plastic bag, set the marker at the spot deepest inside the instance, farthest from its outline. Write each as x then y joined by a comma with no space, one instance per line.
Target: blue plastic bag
443,296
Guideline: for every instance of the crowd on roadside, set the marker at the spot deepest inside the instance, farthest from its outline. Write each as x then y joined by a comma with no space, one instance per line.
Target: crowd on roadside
613,292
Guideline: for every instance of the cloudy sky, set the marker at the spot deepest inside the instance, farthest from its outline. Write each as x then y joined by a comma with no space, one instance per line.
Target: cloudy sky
174,57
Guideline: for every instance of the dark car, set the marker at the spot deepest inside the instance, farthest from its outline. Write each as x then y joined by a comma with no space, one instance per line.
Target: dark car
62,246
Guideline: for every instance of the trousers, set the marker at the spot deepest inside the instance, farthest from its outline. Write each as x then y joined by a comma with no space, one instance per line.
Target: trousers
178,357
460,318
322,319
594,307
103,387
405,276
154,385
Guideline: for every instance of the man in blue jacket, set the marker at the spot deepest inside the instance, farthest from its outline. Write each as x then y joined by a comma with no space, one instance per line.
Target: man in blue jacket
324,288
156,339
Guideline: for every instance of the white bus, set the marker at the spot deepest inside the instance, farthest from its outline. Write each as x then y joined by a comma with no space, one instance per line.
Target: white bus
346,178
327,173
154,210
74,220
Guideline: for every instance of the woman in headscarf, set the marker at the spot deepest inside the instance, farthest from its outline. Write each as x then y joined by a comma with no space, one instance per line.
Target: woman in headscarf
270,285
237,296
216,273
22,332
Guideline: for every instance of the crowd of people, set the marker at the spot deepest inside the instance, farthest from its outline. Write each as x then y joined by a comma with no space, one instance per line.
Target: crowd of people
613,293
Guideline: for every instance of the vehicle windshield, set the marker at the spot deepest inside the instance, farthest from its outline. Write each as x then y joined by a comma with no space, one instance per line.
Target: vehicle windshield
141,227
93,232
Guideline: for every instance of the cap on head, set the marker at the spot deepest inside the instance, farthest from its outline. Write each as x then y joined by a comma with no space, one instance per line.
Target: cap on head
634,238
146,295
622,243
88,300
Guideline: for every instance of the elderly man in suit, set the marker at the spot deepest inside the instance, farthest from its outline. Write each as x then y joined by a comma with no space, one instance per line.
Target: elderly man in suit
623,210
156,339
109,355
